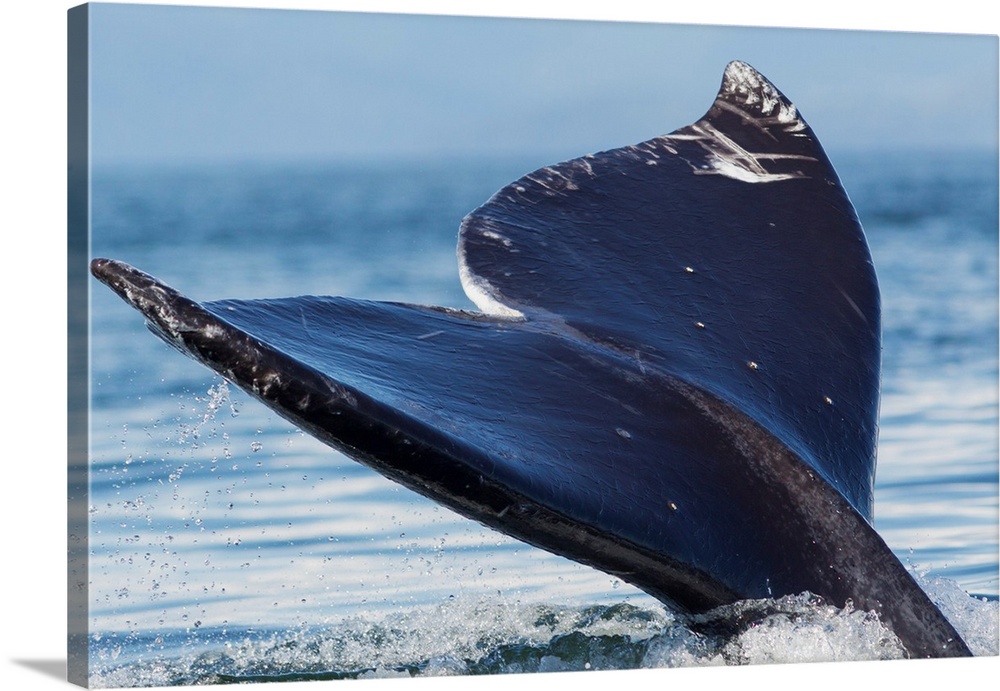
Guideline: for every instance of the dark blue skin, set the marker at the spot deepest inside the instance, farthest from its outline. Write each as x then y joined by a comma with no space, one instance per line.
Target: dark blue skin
677,382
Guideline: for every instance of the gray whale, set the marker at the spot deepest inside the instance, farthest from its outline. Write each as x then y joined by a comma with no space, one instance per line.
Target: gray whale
673,375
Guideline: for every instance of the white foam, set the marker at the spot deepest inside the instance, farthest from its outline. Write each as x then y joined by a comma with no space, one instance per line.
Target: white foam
975,618
470,635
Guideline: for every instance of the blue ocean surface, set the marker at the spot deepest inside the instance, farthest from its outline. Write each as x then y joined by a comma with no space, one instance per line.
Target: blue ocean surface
226,545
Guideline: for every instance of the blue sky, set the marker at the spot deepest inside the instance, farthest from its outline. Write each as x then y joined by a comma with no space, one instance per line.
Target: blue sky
220,84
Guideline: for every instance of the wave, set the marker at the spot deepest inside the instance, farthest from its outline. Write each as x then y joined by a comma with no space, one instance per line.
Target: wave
496,636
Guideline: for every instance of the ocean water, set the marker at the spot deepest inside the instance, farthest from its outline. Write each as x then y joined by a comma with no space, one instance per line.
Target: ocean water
226,545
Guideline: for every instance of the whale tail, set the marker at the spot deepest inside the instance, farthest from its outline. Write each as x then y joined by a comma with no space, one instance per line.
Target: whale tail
673,377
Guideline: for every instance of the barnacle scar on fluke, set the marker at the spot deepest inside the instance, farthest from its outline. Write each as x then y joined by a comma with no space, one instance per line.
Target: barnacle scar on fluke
579,411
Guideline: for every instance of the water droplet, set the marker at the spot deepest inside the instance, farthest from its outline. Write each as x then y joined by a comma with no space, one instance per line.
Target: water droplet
689,269
700,325
256,446
753,365
827,400
624,434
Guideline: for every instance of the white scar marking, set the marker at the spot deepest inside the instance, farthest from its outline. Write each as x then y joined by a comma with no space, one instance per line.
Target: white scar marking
480,291
726,157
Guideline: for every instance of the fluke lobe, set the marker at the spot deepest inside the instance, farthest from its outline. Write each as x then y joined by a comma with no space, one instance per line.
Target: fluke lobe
673,378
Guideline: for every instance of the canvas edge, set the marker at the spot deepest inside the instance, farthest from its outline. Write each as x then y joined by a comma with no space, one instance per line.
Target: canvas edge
78,342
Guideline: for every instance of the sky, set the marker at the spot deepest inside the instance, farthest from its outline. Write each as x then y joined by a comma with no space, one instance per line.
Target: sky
183,84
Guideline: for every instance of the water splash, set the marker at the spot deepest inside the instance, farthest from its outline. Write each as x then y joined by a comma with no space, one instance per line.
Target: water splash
496,636
218,397
976,618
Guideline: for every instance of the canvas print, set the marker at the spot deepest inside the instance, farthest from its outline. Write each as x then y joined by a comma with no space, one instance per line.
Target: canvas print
427,345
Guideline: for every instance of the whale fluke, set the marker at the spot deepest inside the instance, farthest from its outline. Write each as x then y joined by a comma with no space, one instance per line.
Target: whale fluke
673,376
